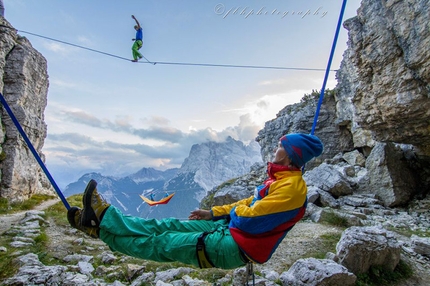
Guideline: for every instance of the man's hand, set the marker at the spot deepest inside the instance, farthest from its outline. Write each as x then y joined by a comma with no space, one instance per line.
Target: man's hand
200,215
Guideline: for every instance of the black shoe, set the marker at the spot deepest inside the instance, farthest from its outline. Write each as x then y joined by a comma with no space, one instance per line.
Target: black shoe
94,206
74,217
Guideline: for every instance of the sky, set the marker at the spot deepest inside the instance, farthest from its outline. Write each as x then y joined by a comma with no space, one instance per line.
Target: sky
108,115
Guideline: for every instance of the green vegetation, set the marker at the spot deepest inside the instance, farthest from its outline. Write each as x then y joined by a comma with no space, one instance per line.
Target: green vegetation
8,208
2,155
409,232
332,218
211,274
208,201
380,276
8,266
58,210
327,243
313,97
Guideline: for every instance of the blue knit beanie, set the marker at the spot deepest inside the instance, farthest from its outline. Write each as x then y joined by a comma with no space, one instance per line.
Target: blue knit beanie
301,148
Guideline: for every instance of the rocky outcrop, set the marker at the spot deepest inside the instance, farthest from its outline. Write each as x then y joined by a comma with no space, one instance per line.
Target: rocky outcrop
374,126
298,118
384,76
380,108
360,248
315,272
24,85
82,260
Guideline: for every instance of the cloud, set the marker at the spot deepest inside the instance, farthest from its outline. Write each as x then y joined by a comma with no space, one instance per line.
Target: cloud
55,47
116,146
61,84
84,118
83,40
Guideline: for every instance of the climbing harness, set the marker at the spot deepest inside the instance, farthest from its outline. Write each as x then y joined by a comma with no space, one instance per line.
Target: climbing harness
204,261
36,156
202,256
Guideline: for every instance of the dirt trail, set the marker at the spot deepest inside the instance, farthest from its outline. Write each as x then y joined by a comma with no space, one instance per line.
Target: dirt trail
6,221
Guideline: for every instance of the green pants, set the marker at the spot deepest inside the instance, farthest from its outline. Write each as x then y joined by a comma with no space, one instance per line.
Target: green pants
135,49
169,239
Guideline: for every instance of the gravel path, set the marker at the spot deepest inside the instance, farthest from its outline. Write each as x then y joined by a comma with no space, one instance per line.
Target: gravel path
6,221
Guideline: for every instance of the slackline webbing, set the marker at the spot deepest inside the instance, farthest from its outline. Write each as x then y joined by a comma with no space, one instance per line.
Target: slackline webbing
54,184
339,23
36,156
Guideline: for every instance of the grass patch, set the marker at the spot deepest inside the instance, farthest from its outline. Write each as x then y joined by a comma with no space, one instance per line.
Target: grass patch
327,243
409,232
332,218
380,276
58,211
210,274
4,206
8,267
35,200
208,201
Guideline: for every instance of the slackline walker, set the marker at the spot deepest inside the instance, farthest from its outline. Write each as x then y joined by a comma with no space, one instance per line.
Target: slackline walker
36,156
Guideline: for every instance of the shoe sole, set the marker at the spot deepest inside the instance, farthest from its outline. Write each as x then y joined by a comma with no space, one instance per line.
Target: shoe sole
88,211
71,216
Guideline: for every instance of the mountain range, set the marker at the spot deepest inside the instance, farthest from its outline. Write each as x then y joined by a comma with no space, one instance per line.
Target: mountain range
208,165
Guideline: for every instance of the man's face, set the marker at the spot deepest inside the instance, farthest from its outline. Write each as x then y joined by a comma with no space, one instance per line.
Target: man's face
281,156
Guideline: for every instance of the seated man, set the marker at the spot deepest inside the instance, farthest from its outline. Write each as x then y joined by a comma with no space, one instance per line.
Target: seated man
231,235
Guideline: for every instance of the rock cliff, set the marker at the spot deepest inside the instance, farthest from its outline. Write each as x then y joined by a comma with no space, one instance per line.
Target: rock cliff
24,84
381,104
384,76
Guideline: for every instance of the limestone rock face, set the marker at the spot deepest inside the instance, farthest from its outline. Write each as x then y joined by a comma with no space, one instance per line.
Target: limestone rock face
25,87
382,97
384,91
298,118
389,176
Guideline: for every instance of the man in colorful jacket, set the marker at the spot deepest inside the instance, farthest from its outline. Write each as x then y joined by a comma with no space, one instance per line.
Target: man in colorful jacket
230,235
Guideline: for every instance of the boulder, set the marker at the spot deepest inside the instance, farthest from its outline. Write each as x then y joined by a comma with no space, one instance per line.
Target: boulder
421,245
327,178
363,247
311,271
389,175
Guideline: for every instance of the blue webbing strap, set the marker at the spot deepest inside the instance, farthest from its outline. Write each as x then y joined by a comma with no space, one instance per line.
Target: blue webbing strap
30,146
342,10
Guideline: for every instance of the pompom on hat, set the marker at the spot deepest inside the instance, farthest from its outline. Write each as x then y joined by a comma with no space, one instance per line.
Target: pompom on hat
301,148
